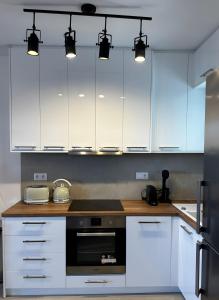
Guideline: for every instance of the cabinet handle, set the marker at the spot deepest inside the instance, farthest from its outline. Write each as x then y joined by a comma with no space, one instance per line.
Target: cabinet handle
137,149
85,234
34,241
200,199
97,281
76,149
109,149
186,229
35,277
47,148
25,147
34,223
153,222
34,259
205,74
169,147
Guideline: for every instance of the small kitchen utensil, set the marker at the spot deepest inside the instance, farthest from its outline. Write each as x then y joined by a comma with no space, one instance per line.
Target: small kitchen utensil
164,191
61,192
150,195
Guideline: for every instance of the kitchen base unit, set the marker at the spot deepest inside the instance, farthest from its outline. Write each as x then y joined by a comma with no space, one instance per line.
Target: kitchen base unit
34,257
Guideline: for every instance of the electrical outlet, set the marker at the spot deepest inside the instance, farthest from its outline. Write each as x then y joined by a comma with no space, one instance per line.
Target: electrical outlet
142,175
40,176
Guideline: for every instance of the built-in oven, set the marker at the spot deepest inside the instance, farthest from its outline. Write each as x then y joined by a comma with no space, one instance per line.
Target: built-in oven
95,245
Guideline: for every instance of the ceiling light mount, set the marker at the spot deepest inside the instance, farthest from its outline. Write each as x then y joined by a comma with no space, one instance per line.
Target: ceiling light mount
88,8
33,40
140,46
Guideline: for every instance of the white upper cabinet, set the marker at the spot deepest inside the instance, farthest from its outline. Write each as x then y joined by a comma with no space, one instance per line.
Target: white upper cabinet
25,109
148,251
169,101
81,80
205,58
53,99
137,92
109,100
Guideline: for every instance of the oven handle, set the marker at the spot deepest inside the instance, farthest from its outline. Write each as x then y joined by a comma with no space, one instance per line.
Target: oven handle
87,234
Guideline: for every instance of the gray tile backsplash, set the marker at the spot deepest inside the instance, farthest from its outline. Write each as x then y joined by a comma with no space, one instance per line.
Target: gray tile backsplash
113,177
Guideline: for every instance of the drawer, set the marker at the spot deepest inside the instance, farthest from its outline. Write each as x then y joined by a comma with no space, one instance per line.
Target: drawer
34,226
95,281
34,245
48,262
156,224
35,279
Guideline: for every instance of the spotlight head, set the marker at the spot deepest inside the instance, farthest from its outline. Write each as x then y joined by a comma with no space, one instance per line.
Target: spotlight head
33,44
139,48
104,48
70,48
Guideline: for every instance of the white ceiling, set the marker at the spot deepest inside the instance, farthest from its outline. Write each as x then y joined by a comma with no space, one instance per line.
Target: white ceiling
176,24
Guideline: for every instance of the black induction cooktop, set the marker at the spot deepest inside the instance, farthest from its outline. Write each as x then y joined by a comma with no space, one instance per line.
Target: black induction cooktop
96,205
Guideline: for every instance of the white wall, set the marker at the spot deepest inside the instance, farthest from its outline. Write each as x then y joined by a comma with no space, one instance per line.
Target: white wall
10,163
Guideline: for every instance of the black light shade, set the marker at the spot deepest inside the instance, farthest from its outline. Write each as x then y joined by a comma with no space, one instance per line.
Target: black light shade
33,44
70,49
104,48
140,51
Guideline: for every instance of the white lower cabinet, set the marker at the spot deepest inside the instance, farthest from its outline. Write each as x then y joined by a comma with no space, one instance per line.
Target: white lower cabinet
34,252
148,259
187,260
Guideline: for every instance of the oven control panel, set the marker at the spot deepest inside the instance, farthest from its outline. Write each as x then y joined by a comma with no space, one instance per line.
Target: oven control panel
96,222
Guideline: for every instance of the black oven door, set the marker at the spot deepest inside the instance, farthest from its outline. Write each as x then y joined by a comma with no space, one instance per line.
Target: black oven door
95,251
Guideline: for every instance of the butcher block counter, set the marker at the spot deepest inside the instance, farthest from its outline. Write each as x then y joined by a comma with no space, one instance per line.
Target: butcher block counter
131,208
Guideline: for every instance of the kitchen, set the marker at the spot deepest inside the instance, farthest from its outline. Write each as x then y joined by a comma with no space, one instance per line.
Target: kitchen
116,120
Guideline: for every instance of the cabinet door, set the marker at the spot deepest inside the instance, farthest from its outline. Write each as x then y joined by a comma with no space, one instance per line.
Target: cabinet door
53,99
148,260
109,100
25,109
169,106
81,79
196,120
137,92
187,260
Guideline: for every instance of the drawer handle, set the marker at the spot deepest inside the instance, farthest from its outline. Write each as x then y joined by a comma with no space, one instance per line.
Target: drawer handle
154,222
137,149
27,148
169,147
55,148
34,259
186,229
34,241
34,223
97,281
86,234
35,277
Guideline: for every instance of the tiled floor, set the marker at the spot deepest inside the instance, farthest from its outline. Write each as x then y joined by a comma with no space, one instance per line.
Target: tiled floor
120,297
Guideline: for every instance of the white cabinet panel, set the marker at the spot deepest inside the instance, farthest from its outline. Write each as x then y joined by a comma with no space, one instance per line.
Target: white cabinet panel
81,80
137,92
187,260
53,99
148,260
25,110
196,120
109,100
169,101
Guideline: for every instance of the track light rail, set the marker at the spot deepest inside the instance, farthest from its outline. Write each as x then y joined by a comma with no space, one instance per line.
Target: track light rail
74,13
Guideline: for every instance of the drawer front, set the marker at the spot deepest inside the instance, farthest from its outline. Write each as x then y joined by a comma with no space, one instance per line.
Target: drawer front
34,226
34,245
52,262
95,281
35,279
154,224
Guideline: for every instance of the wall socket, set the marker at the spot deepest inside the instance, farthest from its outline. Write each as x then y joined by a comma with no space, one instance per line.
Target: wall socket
142,176
40,176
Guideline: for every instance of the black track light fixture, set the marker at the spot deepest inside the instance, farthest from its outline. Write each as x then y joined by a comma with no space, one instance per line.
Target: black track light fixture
140,45
104,43
33,40
70,41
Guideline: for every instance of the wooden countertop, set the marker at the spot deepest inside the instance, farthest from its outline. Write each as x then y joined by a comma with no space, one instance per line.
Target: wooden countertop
131,208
